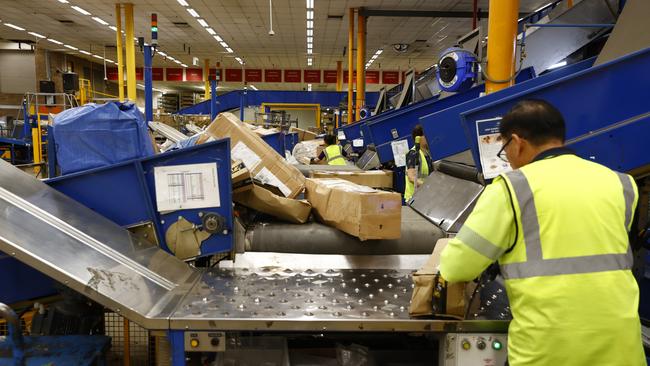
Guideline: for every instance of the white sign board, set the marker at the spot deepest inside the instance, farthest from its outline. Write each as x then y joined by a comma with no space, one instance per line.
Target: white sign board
186,186
400,149
489,143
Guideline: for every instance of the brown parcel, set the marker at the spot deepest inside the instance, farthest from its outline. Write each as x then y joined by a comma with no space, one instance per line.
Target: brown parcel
370,178
424,280
357,210
265,201
303,135
264,163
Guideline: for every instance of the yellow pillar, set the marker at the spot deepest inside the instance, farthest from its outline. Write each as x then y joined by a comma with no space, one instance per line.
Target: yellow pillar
361,62
206,77
569,3
350,66
339,76
502,38
130,53
120,51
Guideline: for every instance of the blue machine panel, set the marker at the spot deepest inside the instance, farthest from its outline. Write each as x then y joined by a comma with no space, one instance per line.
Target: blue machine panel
276,141
125,193
13,277
443,128
589,100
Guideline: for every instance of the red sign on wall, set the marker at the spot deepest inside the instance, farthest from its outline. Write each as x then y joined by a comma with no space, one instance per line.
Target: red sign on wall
157,74
329,76
345,77
372,77
273,76
292,76
312,76
213,73
111,73
194,74
233,75
139,73
390,77
253,75
174,74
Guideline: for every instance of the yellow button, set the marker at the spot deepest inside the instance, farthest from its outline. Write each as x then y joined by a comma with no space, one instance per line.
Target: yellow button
466,345
194,343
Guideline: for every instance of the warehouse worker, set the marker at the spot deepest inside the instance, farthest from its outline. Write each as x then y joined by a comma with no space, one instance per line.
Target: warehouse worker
333,153
418,163
558,227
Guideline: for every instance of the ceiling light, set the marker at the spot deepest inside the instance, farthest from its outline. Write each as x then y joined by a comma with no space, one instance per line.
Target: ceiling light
162,54
63,1
193,12
183,65
310,39
309,51
310,24
111,61
36,35
379,51
100,21
85,52
309,45
219,39
310,4
229,50
224,44
113,28
309,62
211,31
253,87
178,62
310,32
557,65
98,56
203,22
82,11
14,26
183,2
54,41
310,14
70,47
308,87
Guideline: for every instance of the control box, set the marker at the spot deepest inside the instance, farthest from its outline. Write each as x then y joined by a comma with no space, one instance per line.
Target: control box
205,342
473,349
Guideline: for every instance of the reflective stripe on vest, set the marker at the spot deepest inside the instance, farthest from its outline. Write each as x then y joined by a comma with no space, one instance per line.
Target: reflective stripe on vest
335,155
535,264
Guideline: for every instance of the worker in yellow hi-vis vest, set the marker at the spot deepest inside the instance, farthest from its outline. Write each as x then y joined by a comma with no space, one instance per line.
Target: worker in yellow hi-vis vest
333,153
418,163
558,226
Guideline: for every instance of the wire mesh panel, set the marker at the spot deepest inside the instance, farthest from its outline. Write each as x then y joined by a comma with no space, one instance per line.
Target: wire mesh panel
141,347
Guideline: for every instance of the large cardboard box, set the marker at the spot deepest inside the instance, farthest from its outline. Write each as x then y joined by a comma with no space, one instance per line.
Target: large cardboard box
370,178
357,210
264,163
261,199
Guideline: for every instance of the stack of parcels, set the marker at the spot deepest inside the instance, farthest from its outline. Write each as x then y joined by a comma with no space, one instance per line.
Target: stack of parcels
354,209
370,178
267,183
306,150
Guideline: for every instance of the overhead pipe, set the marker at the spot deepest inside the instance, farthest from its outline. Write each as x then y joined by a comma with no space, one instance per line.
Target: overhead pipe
350,66
339,76
502,39
361,62
120,51
206,78
130,53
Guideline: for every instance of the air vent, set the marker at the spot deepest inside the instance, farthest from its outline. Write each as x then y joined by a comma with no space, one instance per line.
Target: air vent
337,17
65,21
181,24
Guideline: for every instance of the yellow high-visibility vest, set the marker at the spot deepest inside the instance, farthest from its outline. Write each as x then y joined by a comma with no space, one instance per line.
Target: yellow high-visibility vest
334,155
565,256
409,187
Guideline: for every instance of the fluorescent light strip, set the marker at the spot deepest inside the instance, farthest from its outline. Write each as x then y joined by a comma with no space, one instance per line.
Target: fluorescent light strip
310,14
193,12
224,44
308,87
114,28
54,41
183,3
183,65
310,24
70,47
229,50
100,20
82,11
202,22
310,4
162,54
63,1
85,52
219,39
36,35
310,32
254,87
211,31
14,27
98,56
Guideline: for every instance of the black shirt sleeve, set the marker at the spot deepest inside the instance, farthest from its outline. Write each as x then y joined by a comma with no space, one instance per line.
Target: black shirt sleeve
411,159
322,155
344,153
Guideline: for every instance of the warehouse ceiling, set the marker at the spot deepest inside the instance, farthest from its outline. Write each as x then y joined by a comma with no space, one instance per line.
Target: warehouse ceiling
244,25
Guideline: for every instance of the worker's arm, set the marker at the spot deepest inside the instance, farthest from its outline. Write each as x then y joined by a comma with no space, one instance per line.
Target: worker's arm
488,232
320,158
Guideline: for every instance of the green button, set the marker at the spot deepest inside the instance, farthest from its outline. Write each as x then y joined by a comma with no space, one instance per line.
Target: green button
497,345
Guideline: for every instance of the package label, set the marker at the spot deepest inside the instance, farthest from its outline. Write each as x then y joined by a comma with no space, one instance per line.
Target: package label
489,144
357,143
341,135
265,176
186,186
246,155
400,149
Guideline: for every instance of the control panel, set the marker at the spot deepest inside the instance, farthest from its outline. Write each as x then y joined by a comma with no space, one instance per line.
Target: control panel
205,342
475,349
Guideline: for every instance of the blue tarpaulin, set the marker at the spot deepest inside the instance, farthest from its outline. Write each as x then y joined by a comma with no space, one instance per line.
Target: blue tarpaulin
96,135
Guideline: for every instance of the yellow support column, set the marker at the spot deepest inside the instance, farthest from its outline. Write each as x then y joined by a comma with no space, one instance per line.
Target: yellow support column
350,66
120,51
361,61
502,39
206,78
339,76
130,53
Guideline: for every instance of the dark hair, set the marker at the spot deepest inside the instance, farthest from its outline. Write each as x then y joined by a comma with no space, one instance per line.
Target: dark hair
534,120
417,131
330,139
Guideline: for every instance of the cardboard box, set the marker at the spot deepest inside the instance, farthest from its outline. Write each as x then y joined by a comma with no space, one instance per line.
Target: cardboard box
265,201
241,177
303,135
357,210
264,163
370,178
306,150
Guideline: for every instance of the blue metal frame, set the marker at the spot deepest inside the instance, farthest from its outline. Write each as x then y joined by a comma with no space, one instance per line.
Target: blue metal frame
443,130
125,192
589,100
148,83
13,277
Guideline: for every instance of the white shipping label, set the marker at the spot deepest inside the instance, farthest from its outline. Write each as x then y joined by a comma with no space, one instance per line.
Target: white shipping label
489,144
400,149
186,186
341,135
246,155
357,142
265,176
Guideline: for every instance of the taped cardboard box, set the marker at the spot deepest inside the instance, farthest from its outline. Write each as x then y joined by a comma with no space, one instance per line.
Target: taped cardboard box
357,210
370,178
264,163
266,199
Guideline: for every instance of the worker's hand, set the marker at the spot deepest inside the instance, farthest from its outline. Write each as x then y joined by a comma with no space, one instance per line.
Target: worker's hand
312,161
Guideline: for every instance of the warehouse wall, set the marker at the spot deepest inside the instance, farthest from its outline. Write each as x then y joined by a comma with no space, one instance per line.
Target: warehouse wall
17,72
